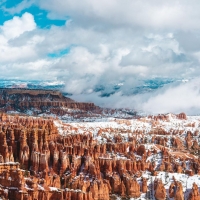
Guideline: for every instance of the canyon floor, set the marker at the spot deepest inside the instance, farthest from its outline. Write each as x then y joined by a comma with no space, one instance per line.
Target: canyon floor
54,148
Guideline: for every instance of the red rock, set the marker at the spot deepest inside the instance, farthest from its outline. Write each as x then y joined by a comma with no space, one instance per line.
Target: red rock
194,194
144,185
160,192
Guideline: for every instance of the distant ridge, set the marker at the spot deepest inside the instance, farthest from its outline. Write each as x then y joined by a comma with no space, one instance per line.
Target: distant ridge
33,91
36,101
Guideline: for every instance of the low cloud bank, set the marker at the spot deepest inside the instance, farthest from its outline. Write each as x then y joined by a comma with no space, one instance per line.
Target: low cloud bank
175,98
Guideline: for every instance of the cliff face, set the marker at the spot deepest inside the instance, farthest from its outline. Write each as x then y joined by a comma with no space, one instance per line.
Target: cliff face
39,101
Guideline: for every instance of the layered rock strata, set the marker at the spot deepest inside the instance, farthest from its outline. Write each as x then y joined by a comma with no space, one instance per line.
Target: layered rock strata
39,101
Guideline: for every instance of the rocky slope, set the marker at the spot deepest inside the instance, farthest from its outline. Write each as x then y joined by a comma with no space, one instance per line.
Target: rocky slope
40,101
36,102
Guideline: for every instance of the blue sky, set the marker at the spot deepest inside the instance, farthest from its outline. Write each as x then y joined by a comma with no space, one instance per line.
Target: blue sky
40,15
90,43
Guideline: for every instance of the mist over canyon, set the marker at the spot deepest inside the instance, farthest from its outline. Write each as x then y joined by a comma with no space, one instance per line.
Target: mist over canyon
150,96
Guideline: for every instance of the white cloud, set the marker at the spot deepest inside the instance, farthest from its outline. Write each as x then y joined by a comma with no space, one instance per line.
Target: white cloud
11,30
97,58
184,97
110,42
18,25
37,70
171,14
